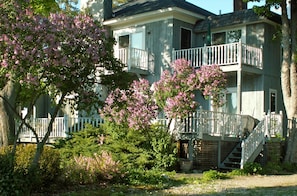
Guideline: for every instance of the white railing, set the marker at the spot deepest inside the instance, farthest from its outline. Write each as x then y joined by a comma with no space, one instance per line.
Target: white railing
225,54
270,126
62,126
133,58
254,141
207,122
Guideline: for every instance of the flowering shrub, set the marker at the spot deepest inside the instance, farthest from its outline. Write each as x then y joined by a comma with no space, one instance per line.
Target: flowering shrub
174,92
212,82
133,108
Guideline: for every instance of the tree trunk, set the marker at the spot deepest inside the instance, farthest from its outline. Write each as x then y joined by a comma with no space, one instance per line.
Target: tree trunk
7,124
289,76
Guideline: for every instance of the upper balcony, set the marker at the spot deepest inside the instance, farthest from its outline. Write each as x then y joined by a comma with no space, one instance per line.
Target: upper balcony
136,60
223,55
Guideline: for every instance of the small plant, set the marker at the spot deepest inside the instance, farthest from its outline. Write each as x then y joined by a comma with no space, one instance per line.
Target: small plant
213,175
236,172
153,177
87,170
253,168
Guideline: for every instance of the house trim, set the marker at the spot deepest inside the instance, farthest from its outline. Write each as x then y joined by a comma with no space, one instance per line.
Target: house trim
158,15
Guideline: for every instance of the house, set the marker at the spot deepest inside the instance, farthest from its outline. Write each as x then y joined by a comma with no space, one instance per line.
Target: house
150,34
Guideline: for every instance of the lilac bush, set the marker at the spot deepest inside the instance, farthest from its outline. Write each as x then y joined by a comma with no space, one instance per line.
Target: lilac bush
174,93
134,108
212,83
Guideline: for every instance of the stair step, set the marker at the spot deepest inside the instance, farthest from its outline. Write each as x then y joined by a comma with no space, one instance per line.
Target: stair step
228,168
234,157
231,163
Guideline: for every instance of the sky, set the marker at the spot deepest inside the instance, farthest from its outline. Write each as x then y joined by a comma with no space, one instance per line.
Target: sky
215,6
219,6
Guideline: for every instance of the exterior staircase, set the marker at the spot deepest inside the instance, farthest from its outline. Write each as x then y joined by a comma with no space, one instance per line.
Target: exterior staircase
233,160
248,149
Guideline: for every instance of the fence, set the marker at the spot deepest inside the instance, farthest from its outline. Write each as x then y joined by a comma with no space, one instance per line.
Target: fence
62,127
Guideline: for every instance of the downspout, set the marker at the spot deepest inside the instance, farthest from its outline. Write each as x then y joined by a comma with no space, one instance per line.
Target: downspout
239,78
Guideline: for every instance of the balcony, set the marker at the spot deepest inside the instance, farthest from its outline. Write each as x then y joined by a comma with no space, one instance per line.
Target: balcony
223,55
136,60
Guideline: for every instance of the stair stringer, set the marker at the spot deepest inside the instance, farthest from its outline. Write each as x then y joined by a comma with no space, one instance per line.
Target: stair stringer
233,160
253,144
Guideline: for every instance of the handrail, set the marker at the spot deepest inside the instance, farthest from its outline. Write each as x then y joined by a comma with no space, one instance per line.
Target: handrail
270,125
133,58
252,142
224,54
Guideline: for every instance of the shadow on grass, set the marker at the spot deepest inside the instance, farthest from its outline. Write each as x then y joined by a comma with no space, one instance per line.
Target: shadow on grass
258,191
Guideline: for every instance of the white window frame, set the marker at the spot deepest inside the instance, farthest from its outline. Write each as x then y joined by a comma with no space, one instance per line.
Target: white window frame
129,31
270,92
243,33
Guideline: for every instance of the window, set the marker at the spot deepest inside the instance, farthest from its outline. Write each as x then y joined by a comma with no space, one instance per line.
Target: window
230,101
134,40
124,41
233,36
226,37
185,38
218,38
272,100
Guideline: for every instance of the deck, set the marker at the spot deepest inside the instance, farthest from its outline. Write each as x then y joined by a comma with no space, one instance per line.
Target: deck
197,125
223,55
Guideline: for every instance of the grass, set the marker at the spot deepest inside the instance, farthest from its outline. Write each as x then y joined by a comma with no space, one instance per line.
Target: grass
208,183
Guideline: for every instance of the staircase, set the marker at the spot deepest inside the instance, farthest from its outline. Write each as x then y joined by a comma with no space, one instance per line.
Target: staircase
233,160
247,150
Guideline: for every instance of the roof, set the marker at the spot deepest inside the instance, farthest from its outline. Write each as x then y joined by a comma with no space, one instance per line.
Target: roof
142,6
234,18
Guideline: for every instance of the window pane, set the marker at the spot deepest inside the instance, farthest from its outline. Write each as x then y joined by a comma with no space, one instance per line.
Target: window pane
185,38
233,36
137,40
231,105
218,38
124,41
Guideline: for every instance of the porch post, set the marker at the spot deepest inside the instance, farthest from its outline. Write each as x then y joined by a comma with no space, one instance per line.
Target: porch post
191,149
239,72
173,58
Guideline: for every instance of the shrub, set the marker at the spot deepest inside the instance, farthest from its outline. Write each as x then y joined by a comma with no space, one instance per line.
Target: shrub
84,142
10,182
86,170
164,151
252,168
49,165
146,149
236,172
289,167
153,177
213,175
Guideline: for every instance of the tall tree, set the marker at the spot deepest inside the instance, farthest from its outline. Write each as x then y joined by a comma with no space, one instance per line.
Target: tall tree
288,66
60,55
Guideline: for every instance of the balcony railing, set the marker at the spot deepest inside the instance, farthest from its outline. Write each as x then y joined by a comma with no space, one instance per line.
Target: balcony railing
133,58
225,54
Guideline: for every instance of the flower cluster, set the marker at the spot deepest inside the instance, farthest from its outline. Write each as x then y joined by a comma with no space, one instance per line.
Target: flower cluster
174,92
134,107
58,54
212,83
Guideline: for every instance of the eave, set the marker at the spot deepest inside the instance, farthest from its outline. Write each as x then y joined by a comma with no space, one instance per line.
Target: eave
158,15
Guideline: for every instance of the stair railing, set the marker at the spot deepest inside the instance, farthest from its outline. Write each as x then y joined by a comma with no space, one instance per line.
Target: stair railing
271,125
252,143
